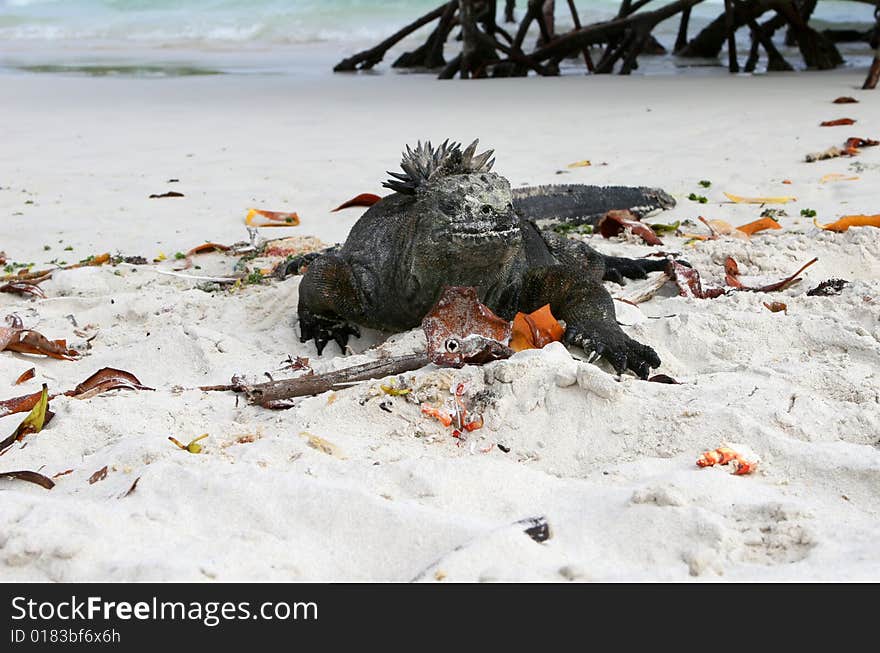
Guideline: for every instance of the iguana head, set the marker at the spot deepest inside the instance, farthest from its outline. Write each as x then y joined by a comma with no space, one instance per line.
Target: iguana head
459,201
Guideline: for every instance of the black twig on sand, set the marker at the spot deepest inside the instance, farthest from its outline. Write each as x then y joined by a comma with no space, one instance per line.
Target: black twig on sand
488,50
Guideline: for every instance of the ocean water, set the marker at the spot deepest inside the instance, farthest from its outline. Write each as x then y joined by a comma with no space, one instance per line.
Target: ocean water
178,37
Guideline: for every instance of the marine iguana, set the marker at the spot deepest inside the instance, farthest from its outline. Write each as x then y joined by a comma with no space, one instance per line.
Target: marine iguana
452,222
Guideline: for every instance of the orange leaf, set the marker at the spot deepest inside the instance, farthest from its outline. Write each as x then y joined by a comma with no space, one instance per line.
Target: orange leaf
439,414
848,221
364,199
759,225
273,219
725,455
208,247
31,342
776,307
26,376
838,123
535,330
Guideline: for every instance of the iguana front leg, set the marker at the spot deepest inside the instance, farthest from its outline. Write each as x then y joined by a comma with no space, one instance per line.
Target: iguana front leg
613,268
329,301
588,312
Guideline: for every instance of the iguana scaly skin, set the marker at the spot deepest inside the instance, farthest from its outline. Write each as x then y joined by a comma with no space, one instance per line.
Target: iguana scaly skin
453,222
579,204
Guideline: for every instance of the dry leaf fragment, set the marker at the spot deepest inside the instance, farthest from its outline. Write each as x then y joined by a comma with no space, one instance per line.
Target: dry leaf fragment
324,446
758,225
850,148
132,488
64,473
364,199
273,219
392,389
535,330
32,342
34,422
23,288
837,123
853,144
776,307
26,341
171,193
461,330
580,164
848,221
836,176
100,475
208,247
26,376
615,222
30,477
104,380
200,249
760,200
688,282
846,100
19,404
731,270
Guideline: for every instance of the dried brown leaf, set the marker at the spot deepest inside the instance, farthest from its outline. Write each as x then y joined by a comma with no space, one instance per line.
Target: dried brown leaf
100,475
732,277
30,477
689,283
840,122
26,376
364,199
23,288
615,222
104,380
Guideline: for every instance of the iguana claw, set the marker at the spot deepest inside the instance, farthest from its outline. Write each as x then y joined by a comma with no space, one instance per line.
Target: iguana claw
615,347
324,329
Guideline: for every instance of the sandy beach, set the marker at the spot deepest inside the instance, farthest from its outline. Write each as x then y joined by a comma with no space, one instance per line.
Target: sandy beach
609,463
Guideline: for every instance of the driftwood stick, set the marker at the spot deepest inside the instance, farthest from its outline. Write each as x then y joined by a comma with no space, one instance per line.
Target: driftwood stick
576,19
873,74
313,384
775,60
369,58
681,39
575,40
732,63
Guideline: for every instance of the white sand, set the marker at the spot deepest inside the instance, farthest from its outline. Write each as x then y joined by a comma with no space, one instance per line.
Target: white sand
610,465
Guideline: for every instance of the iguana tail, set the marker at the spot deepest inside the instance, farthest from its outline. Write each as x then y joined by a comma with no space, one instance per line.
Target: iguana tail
580,204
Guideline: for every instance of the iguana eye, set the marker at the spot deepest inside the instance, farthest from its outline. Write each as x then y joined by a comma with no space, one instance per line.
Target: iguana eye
452,345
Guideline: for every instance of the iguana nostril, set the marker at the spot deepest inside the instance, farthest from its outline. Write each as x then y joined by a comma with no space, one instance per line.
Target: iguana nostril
486,209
